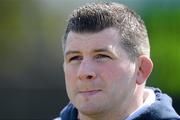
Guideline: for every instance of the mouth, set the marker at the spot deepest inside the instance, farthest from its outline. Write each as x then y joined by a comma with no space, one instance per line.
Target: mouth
89,92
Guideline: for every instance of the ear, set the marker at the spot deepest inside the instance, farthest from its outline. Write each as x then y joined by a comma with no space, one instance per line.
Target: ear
144,69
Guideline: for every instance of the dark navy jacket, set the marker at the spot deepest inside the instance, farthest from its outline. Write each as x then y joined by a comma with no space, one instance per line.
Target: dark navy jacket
161,109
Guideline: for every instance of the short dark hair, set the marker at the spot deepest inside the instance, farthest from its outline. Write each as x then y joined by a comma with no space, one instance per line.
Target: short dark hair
95,17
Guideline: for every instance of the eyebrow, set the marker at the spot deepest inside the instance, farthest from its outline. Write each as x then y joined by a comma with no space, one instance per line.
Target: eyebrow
103,50
94,51
71,52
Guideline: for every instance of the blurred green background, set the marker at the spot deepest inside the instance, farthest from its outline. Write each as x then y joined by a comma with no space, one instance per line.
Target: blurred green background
31,76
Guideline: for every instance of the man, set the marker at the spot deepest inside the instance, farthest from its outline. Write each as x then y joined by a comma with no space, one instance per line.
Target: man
106,65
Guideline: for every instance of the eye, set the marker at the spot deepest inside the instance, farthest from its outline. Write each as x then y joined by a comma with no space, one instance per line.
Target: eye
75,58
102,57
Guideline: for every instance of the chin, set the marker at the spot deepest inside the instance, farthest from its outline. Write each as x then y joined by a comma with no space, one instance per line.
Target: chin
90,107
91,104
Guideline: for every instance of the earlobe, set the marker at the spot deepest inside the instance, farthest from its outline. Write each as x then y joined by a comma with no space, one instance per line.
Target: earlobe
145,67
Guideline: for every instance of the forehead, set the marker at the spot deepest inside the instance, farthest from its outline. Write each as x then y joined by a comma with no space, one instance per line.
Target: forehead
88,41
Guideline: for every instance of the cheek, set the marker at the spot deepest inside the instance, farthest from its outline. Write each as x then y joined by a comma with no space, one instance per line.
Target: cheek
70,78
118,73
119,81
112,71
70,73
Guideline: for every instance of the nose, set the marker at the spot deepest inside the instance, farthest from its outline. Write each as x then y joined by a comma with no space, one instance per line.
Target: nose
86,70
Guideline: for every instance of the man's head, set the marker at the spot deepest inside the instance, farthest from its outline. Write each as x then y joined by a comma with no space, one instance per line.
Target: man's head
106,60
93,18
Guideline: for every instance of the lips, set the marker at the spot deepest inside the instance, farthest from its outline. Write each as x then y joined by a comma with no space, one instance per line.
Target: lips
89,92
